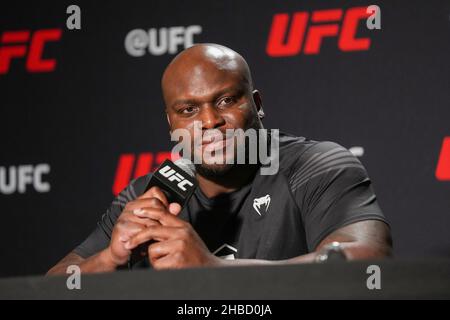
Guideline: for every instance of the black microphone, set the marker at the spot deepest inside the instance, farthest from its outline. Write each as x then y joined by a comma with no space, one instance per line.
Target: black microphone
177,182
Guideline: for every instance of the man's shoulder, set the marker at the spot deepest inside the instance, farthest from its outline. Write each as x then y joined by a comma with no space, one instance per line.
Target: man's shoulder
134,189
302,159
293,148
290,143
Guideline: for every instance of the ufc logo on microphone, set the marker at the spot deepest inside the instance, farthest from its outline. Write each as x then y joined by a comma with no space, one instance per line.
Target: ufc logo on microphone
172,175
14,45
284,41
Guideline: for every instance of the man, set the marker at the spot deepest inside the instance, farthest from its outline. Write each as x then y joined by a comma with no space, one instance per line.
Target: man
320,195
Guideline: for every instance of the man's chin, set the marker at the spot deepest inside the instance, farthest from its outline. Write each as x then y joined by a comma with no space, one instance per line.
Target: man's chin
213,170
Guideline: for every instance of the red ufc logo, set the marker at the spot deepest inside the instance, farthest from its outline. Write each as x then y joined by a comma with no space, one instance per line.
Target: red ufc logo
323,23
14,45
443,166
146,162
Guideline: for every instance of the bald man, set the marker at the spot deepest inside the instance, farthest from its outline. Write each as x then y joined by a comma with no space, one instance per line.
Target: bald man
320,203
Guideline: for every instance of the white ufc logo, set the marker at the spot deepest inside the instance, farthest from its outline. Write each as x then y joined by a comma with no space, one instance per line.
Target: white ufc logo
160,41
172,175
17,178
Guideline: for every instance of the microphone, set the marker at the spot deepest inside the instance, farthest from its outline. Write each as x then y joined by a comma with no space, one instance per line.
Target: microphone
177,182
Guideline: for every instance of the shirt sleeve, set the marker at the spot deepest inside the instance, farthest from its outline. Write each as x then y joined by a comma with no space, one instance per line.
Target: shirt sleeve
332,189
101,236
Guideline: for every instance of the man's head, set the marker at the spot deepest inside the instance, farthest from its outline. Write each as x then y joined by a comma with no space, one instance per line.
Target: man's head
212,84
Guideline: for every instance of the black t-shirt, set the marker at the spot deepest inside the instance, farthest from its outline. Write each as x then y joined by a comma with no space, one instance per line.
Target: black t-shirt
319,188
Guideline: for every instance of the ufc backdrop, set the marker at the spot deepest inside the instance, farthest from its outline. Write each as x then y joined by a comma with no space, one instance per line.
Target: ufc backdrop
82,111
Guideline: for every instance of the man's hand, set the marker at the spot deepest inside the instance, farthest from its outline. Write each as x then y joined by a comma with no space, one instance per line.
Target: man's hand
178,246
129,224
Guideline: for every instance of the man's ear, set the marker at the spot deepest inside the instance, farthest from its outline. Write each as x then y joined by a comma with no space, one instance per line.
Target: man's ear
168,121
258,103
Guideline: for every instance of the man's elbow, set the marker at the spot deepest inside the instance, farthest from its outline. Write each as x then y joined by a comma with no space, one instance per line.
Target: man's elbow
57,269
368,251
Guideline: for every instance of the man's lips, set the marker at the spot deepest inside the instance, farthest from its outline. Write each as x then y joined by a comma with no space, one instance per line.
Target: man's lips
217,143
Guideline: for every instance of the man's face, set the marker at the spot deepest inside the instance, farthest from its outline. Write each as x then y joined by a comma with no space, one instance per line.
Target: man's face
216,98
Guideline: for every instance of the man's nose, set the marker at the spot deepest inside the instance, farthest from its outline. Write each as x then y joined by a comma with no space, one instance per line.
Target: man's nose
211,118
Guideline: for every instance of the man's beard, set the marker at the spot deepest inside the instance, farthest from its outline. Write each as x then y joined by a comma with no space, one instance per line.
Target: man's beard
214,170
220,167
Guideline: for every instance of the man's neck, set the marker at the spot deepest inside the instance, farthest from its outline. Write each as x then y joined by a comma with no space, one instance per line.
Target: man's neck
238,177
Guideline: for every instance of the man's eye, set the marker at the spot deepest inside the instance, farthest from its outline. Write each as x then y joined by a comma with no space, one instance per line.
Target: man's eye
226,101
188,110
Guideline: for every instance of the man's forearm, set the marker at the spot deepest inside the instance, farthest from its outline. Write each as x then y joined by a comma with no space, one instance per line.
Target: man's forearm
352,251
307,258
99,262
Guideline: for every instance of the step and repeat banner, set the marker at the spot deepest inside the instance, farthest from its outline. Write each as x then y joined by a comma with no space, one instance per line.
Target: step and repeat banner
82,112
